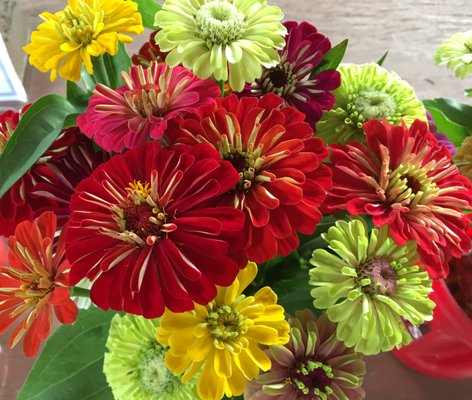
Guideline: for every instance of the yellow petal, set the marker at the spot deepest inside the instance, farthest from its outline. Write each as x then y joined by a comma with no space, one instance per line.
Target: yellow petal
210,386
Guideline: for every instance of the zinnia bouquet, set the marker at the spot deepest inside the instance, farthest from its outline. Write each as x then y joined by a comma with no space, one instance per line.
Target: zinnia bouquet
248,215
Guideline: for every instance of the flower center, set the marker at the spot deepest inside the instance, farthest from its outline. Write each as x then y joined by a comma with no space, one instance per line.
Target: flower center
153,374
279,80
82,27
312,380
219,23
409,185
148,98
225,323
369,104
383,278
247,163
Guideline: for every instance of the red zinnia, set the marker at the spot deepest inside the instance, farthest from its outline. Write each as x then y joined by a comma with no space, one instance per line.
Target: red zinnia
281,179
125,118
141,229
403,178
149,52
36,282
16,205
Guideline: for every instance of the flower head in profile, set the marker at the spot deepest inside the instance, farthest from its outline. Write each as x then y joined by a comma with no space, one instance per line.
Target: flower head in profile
368,91
70,38
35,283
282,180
402,178
456,53
293,79
314,364
126,117
229,39
463,158
17,204
134,364
368,285
149,52
142,230
223,338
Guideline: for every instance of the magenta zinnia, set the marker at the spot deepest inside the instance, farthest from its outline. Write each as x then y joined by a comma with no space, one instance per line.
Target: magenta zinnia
313,365
404,179
281,179
293,78
126,117
142,230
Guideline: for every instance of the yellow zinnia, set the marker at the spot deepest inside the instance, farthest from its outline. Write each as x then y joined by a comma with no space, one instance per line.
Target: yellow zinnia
222,339
83,29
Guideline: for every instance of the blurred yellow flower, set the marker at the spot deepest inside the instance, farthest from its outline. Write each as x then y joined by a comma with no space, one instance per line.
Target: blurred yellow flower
83,29
222,339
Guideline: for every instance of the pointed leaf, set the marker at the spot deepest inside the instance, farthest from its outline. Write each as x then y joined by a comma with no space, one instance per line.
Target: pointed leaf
148,10
332,58
39,127
71,363
382,59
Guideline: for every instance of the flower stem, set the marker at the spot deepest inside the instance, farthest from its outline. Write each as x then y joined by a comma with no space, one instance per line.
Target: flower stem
79,292
222,88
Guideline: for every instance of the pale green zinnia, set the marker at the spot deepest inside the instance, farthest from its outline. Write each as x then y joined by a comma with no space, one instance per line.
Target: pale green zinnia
456,53
368,91
134,366
229,39
370,286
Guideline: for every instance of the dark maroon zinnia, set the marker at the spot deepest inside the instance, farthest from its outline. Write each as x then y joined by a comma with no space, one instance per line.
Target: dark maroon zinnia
142,230
293,78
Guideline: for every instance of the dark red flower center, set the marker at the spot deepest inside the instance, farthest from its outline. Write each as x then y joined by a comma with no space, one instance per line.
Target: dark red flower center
143,220
381,274
245,164
279,79
412,183
312,379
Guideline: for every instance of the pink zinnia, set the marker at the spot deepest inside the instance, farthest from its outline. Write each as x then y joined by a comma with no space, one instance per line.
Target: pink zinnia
293,78
126,117
144,231
402,178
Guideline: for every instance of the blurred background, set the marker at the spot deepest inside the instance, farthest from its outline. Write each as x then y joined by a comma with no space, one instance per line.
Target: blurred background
410,30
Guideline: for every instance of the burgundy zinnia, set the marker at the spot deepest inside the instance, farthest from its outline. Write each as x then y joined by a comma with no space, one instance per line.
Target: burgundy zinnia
149,52
16,204
281,179
141,229
293,78
126,117
403,178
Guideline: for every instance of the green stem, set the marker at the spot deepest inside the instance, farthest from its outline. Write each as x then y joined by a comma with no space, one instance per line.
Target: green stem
79,292
222,88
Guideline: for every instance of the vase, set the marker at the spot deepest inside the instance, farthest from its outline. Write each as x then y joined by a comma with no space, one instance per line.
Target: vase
445,351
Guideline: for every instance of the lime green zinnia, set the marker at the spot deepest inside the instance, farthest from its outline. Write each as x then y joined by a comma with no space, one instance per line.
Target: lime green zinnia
369,285
368,91
456,53
224,38
134,366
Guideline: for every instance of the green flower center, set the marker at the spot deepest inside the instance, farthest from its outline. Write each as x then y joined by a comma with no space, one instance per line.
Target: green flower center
410,186
79,28
374,104
219,23
225,323
383,278
153,374
279,79
312,379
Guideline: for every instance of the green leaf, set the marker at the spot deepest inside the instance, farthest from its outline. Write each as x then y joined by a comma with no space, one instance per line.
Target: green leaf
294,292
382,59
452,118
332,58
71,363
107,69
77,96
468,92
148,10
38,128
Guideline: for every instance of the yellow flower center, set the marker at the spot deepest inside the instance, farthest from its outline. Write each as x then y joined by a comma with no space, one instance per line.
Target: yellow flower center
80,26
225,323
219,22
